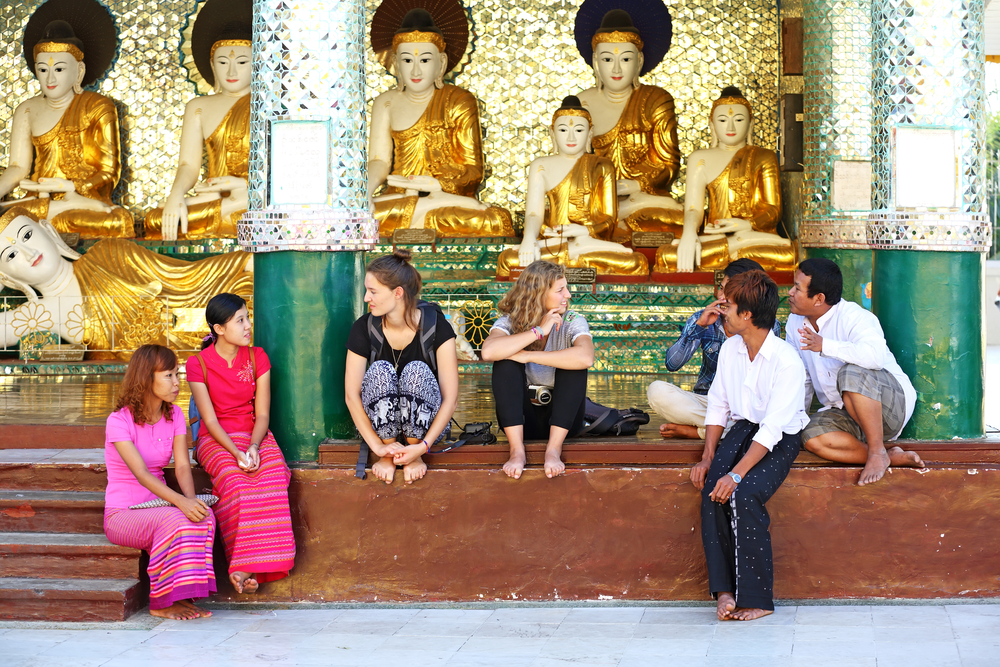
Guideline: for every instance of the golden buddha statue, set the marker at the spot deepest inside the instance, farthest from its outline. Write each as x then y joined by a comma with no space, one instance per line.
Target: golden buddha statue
221,123
744,199
425,144
634,124
112,298
69,134
582,212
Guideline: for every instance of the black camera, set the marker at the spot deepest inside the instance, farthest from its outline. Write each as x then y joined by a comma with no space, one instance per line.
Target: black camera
539,394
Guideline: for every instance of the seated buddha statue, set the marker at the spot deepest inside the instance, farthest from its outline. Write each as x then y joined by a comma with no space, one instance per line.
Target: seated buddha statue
221,123
634,123
741,184
70,135
110,298
425,144
582,213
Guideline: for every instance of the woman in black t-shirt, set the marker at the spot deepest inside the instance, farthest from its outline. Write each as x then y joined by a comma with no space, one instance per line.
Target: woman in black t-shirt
399,394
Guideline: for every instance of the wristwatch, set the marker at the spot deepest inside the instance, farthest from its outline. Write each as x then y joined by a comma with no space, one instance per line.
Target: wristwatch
736,477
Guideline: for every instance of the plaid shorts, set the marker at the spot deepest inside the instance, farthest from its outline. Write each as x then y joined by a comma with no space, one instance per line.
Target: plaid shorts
877,385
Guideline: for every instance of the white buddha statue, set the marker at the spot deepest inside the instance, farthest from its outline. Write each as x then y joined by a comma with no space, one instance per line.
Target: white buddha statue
220,124
113,298
634,123
582,213
425,142
64,142
741,185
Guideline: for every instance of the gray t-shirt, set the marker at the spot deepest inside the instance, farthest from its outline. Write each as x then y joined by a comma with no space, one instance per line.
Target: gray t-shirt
573,327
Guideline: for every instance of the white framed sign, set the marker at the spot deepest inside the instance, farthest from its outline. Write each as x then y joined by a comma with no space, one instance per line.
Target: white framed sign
852,185
926,167
300,162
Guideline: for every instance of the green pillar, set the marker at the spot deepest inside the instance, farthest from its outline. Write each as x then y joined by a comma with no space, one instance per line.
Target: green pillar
930,307
304,305
856,267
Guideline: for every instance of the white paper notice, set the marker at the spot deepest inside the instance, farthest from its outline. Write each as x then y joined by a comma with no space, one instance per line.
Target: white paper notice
926,168
852,185
300,162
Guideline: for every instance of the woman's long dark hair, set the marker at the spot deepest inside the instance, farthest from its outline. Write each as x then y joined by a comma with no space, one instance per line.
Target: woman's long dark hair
395,271
220,310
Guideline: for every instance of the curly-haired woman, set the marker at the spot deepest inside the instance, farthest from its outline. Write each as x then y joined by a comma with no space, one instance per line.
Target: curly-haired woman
231,384
142,433
539,343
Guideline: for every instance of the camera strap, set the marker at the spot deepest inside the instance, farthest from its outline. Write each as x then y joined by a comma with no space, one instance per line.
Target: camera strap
482,437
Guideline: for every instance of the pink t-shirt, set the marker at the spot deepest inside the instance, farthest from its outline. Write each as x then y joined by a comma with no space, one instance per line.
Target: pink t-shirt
155,443
231,389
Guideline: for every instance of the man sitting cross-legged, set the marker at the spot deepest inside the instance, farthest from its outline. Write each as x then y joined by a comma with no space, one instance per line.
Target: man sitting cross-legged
866,396
685,410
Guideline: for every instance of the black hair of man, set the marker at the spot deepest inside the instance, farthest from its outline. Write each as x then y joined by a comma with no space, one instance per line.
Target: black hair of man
824,278
741,265
756,292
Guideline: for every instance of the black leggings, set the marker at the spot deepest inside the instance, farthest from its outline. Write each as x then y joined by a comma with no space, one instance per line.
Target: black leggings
510,391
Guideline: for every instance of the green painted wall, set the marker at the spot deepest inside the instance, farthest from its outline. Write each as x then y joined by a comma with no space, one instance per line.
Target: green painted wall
304,305
856,266
930,306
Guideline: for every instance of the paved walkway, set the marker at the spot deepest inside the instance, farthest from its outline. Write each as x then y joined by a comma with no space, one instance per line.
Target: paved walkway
813,636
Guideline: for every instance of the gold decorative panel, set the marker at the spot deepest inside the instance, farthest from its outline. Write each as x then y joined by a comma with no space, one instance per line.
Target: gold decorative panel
523,61
148,81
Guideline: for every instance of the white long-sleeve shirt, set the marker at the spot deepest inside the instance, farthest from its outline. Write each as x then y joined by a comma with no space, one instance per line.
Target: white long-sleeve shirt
851,335
768,391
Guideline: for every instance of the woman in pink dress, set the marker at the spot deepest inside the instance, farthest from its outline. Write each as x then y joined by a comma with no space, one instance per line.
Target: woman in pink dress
142,433
231,385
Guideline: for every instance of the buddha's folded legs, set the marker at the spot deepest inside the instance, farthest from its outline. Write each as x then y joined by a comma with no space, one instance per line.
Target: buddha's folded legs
715,256
115,224
453,221
606,263
205,221
656,220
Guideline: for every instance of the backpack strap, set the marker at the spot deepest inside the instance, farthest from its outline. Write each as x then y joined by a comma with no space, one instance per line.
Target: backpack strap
253,365
204,373
428,333
375,337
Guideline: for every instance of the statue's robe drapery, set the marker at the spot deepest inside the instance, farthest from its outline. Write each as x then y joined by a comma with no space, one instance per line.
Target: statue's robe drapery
228,149
586,196
444,143
83,148
130,292
749,189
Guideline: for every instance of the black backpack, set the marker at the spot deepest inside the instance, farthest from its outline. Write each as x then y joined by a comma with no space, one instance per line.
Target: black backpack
602,420
427,333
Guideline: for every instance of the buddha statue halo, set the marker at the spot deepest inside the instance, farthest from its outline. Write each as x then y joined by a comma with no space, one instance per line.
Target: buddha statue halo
64,148
425,137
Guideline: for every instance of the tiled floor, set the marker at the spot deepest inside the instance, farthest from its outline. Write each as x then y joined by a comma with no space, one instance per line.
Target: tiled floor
813,636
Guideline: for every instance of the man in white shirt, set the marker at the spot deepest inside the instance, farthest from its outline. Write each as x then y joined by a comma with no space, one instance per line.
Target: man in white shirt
760,385
866,396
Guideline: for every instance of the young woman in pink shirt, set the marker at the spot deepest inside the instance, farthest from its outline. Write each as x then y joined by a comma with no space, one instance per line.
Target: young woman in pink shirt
142,433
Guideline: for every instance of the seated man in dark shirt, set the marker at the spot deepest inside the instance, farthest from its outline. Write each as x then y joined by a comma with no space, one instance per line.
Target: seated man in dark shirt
685,410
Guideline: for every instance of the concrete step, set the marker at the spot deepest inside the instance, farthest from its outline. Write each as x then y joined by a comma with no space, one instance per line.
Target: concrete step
53,469
24,599
66,556
51,511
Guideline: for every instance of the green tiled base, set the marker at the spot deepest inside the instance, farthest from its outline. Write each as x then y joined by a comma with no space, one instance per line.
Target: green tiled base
11,367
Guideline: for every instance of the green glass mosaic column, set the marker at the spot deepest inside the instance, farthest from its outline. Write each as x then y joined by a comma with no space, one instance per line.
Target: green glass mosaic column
304,304
930,306
856,267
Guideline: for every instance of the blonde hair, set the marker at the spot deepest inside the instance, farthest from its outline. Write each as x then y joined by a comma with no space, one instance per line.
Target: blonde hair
524,304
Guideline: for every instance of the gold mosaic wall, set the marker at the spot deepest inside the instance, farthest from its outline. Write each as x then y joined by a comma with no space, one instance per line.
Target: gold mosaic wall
148,81
523,60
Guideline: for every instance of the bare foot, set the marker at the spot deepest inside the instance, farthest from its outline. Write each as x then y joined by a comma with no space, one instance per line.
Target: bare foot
725,606
878,463
553,465
515,465
742,614
243,582
904,459
414,470
679,431
384,469
176,611
204,613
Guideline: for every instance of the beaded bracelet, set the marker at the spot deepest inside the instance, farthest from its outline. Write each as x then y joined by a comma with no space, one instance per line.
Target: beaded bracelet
427,446
537,332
